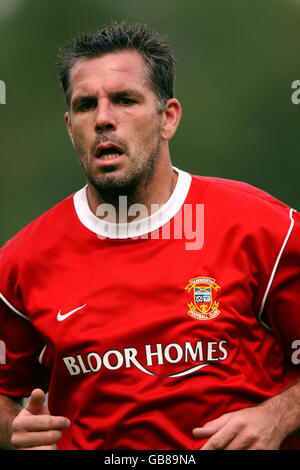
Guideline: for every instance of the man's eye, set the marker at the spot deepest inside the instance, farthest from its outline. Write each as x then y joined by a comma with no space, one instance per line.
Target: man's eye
126,101
86,105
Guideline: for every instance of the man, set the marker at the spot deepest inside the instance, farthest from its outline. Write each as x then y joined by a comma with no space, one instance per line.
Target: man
146,333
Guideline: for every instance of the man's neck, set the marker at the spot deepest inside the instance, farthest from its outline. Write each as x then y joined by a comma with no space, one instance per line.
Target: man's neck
144,202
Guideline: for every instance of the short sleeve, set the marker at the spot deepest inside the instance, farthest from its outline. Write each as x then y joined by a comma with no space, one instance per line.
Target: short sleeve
20,370
282,305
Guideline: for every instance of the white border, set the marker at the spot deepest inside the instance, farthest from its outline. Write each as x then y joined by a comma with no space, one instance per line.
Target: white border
42,355
135,228
275,269
12,307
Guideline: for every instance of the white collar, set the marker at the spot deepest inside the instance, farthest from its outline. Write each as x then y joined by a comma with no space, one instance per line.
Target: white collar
136,228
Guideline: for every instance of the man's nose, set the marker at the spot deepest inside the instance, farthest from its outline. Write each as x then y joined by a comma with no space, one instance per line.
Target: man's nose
104,118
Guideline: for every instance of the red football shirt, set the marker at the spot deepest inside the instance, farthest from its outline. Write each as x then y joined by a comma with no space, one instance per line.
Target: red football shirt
143,331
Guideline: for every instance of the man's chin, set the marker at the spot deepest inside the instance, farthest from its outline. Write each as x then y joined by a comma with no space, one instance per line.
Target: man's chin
123,180
112,185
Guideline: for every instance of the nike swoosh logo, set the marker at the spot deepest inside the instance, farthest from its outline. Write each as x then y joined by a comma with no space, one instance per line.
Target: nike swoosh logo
61,317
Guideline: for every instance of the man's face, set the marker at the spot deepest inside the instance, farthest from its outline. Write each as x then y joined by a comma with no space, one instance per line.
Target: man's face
114,122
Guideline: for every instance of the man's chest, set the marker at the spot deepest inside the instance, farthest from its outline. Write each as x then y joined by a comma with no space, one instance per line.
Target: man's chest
160,309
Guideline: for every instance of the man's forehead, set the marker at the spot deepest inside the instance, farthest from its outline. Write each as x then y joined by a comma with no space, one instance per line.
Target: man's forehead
113,68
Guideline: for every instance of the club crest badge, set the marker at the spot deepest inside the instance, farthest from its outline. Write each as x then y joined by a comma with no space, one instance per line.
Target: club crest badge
203,305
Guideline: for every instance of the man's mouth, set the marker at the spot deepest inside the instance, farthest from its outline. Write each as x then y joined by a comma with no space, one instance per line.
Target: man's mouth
108,151
109,154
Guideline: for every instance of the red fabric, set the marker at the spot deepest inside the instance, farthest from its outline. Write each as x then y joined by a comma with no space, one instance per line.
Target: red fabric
125,366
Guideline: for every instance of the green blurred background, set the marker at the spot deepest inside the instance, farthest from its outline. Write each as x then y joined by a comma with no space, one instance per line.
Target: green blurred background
236,61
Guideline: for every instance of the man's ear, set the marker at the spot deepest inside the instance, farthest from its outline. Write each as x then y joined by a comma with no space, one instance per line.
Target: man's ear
171,118
68,124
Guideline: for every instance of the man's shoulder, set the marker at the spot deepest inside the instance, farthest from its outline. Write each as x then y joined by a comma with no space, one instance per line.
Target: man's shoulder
235,193
32,251
49,225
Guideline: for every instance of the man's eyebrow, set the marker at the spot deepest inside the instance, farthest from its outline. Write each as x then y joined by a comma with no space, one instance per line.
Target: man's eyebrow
81,99
126,93
114,94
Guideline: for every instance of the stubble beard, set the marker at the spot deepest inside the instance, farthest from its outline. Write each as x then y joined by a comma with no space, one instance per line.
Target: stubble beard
133,182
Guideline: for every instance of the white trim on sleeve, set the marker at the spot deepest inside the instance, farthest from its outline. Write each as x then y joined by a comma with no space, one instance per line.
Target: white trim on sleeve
275,269
42,354
12,307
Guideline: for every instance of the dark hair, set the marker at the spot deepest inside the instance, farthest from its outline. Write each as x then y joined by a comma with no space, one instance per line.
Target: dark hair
159,60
